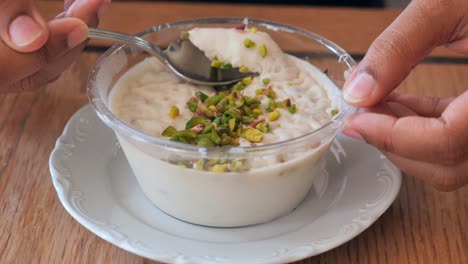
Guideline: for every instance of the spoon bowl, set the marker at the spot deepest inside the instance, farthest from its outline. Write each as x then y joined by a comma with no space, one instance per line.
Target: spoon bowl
182,57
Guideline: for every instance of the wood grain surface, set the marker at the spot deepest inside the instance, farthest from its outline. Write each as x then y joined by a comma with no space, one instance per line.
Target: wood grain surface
422,225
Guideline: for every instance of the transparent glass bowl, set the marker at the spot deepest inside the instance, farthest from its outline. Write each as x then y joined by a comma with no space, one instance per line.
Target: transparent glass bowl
228,199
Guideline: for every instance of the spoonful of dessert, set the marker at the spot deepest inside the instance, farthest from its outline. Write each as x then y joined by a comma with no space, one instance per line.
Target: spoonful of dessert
182,57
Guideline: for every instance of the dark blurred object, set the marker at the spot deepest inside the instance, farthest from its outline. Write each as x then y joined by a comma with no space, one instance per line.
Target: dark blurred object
350,3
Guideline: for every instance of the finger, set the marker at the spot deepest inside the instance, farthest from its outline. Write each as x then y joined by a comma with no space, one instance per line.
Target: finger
413,137
455,118
423,105
47,74
460,46
65,34
89,11
399,48
443,178
22,28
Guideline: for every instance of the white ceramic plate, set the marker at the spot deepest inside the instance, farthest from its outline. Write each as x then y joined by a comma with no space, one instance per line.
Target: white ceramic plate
96,186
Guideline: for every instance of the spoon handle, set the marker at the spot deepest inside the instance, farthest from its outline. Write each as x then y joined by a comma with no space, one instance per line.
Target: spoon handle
126,39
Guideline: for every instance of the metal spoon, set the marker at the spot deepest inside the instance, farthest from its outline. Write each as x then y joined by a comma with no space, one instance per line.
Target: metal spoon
182,57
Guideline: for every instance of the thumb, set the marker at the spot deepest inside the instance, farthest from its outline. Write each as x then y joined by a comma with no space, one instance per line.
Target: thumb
22,28
422,26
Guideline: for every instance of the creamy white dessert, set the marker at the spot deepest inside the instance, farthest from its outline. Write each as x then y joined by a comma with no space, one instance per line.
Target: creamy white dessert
291,98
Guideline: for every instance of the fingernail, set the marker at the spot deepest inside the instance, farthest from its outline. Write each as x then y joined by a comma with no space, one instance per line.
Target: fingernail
77,36
352,133
103,8
24,30
360,88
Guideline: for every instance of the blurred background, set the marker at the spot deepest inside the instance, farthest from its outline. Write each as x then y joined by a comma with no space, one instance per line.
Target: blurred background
340,3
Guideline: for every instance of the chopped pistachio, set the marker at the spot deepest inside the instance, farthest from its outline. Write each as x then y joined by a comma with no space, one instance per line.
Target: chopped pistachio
243,69
200,165
292,109
334,112
213,108
253,135
247,80
215,99
271,105
280,104
287,102
216,64
225,139
174,112
257,111
263,126
214,137
259,91
266,81
185,133
208,128
253,30
251,101
201,95
226,66
192,105
196,120
247,110
237,165
219,168
182,164
239,86
205,142
184,35
270,93
263,50
248,43
273,116
169,131
232,124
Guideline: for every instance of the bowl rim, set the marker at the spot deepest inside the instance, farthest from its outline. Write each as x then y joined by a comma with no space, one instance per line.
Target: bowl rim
105,114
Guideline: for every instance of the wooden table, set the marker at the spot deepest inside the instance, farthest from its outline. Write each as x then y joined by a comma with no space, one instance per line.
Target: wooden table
422,226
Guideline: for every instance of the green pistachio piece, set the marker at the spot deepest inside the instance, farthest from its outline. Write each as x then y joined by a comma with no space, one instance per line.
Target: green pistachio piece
243,69
264,127
200,165
253,135
271,105
292,109
219,168
174,112
263,50
334,112
248,43
251,100
273,116
232,124
201,95
257,111
237,165
192,105
226,66
266,81
196,120
225,139
169,131
215,99
204,141
216,64
184,35
247,81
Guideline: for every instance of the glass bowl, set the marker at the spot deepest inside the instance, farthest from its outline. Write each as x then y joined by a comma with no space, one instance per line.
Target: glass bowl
253,195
